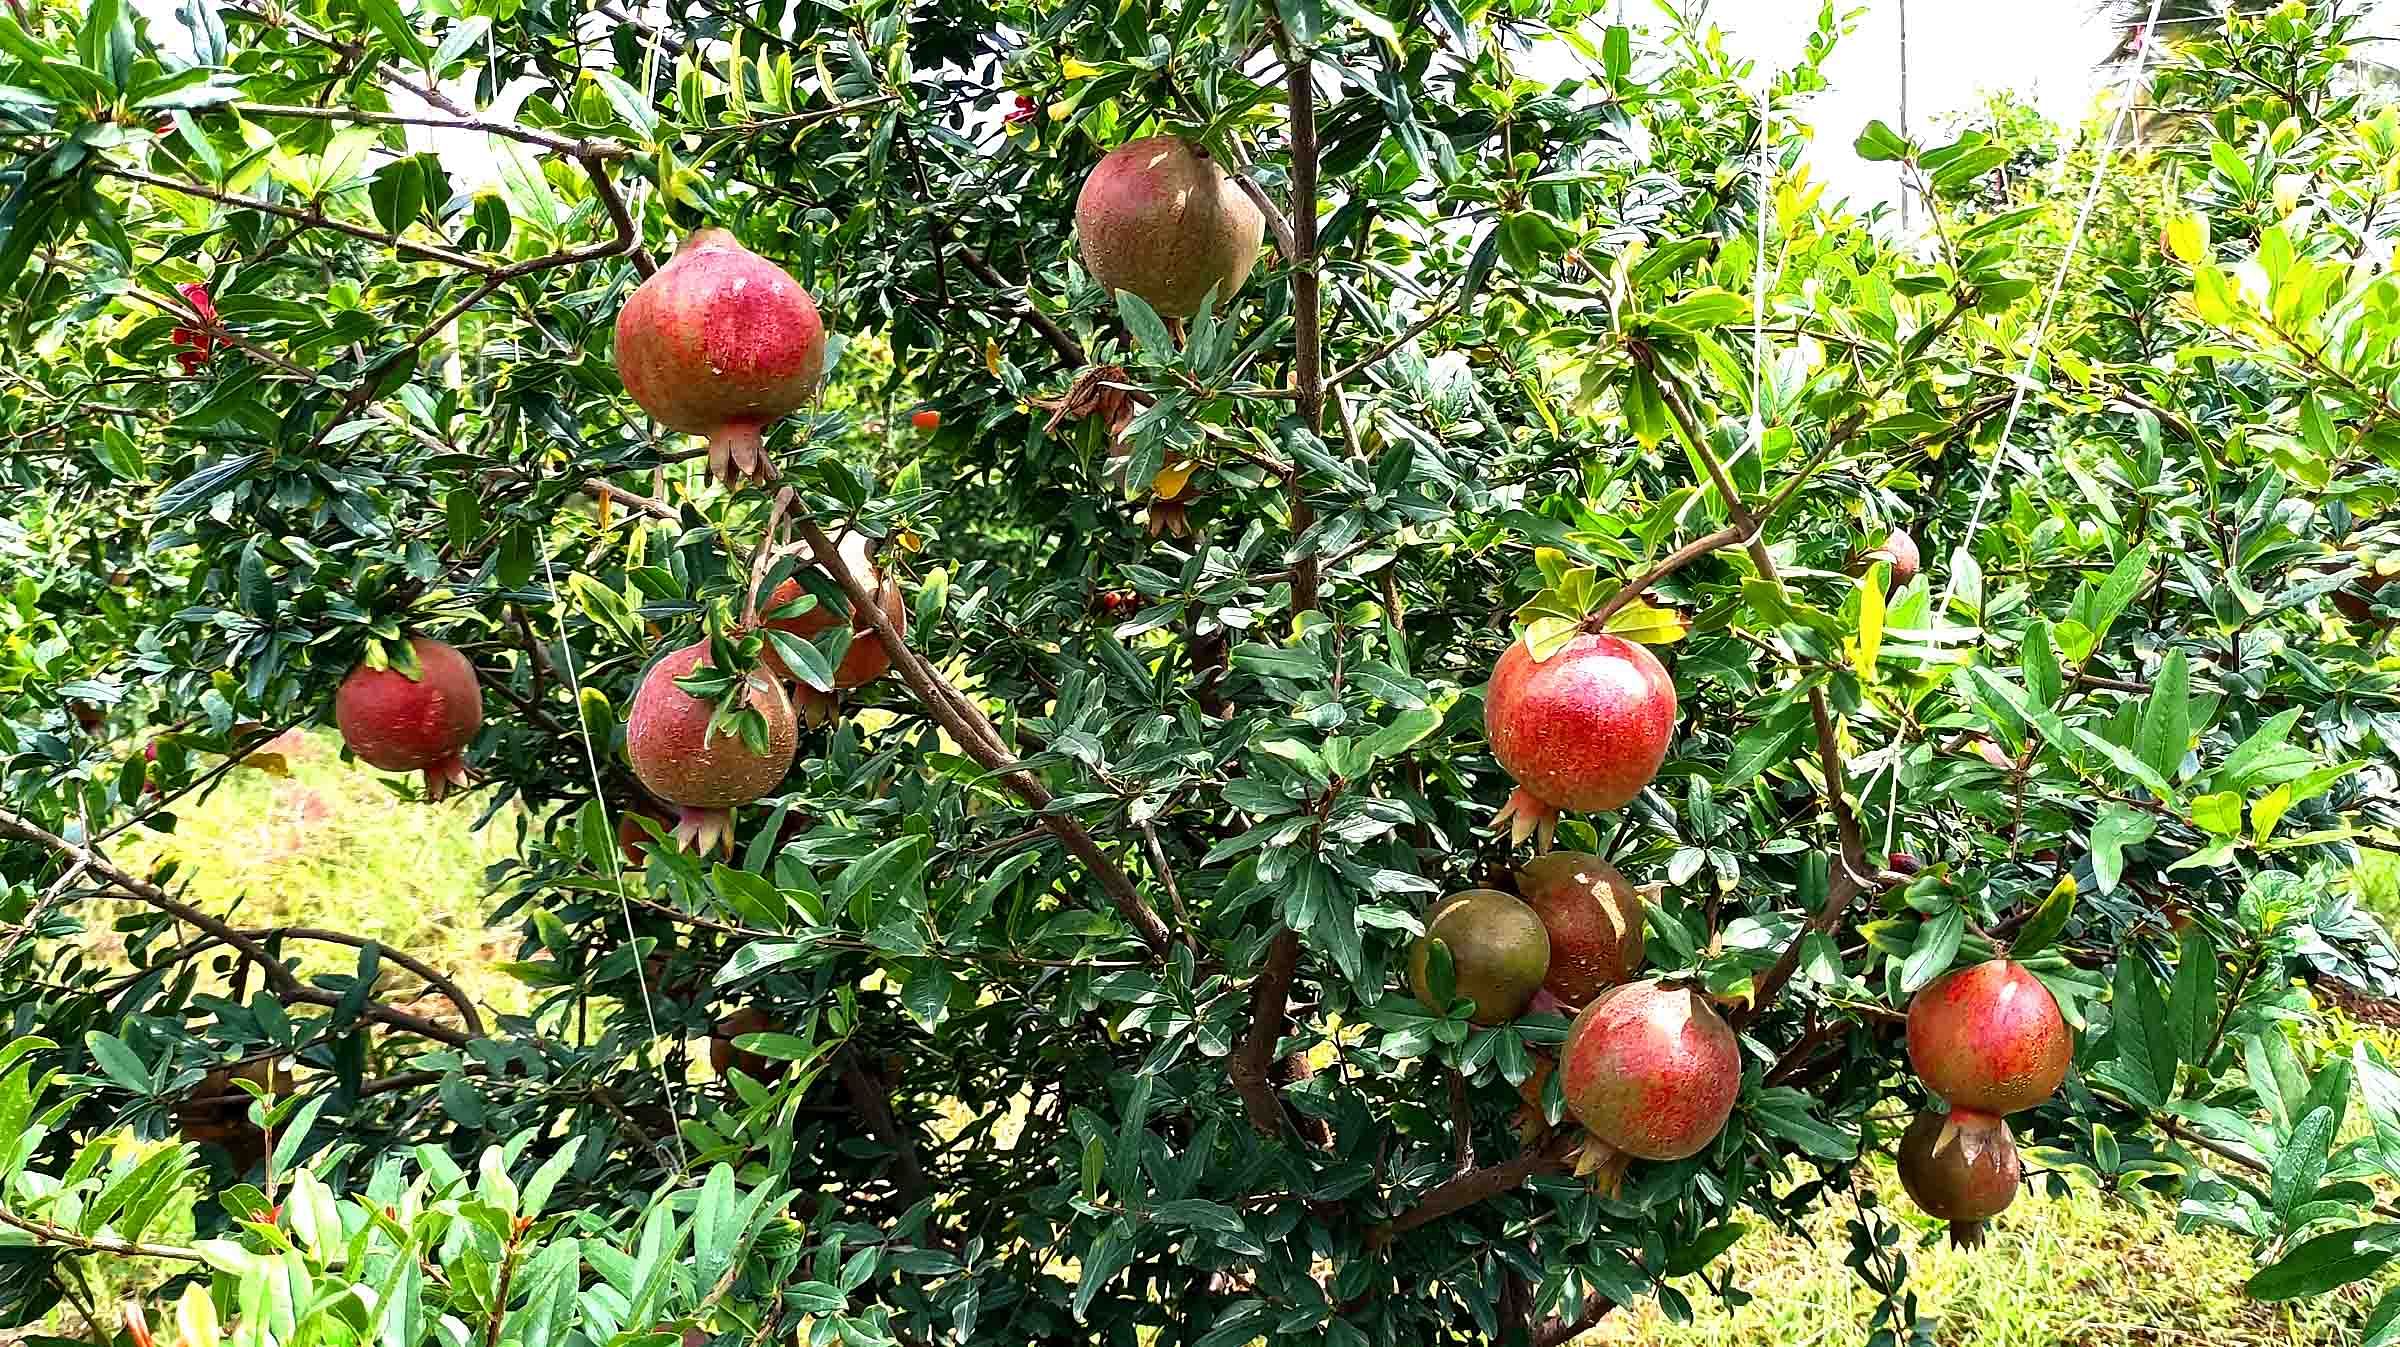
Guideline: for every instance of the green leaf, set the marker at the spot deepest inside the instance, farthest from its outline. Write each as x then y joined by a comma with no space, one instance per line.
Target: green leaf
2300,1162
2047,921
117,1061
1880,144
2118,827
1937,946
2166,727
2038,660
1148,329
2328,1261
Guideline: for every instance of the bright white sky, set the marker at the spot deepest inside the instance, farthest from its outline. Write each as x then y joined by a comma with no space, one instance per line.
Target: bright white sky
2048,51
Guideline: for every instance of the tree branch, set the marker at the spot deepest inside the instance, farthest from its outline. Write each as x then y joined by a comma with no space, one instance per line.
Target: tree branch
967,724
280,977
1480,1185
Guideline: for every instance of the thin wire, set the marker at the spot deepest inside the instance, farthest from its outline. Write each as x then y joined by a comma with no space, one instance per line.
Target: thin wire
2041,327
616,862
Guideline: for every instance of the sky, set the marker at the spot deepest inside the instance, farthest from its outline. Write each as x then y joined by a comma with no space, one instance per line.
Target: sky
2048,51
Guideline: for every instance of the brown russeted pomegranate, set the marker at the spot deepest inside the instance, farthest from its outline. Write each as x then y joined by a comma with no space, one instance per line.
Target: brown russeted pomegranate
1158,217
1584,729
726,1057
2358,602
217,1111
865,660
1498,953
1900,550
1594,917
720,343
704,775
403,724
1988,1039
1651,1071
1962,1168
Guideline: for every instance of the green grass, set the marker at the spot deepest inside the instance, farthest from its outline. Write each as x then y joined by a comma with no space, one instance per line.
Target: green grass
2084,1271
331,846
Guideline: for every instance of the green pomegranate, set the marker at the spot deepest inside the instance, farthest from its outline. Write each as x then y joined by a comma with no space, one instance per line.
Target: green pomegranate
1499,953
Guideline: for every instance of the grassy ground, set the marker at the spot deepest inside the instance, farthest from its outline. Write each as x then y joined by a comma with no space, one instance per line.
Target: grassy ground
330,846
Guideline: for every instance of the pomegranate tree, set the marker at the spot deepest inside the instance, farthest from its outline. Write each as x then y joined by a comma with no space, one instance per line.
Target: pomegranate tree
1989,1039
721,342
1651,1071
404,722
1594,918
703,771
1159,218
1498,953
1960,1167
1584,729
865,661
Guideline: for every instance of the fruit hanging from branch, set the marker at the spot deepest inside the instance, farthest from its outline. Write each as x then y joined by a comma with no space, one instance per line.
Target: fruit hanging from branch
864,661
721,342
1594,918
1498,954
725,1056
1960,1167
400,723
1901,551
705,771
216,1112
1652,1072
1584,729
1989,1039
1159,218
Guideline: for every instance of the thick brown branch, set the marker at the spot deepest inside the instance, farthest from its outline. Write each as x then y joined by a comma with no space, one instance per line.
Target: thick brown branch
967,724
1480,1185
1250,1069
1561,1329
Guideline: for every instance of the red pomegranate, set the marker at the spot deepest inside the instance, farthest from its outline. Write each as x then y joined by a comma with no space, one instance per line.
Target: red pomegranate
704,775
865,661
403,724
2358,602
1158,217
1962,1168
633,840
1594,917
1900,550
925,419
1651,1071
1584,729
720,343
1989,1039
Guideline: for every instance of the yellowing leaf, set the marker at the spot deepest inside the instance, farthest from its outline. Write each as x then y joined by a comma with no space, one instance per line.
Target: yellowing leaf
2187,237
1171,479
1077,70
1546,636
273,764
1647,623
991,356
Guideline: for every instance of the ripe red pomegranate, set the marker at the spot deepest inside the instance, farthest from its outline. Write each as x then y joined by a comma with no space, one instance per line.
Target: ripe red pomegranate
720,343
926,419
1989,1039
404,724
865,661
1904,863
1594,917
1962,1168
1583,729
1498,954
1158,217
1900,550
704,775
1651,1071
